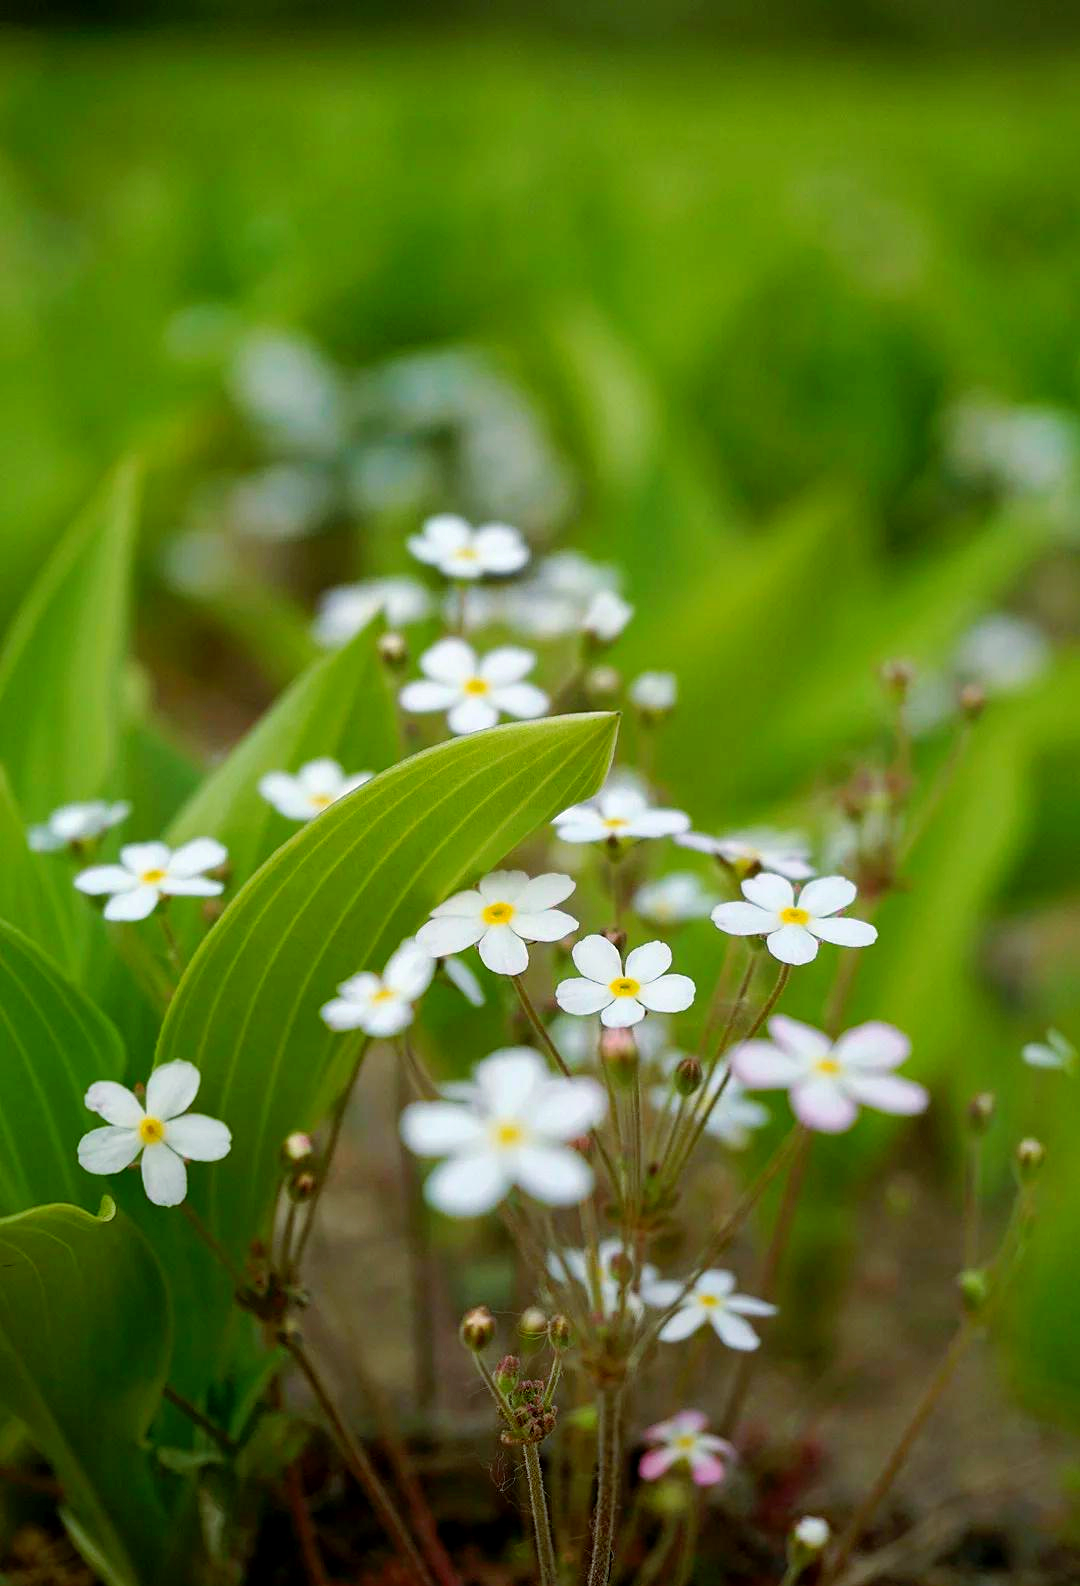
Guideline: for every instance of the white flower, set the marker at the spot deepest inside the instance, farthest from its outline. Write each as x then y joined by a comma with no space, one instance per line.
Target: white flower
503,912
554,600
474,691
1055,1052
623,996
619,812
734,1115
460,551
606,617
382,1005
1004,653
460,975
793,929
684,1440
680,896
712,1299
828,1081
315,786
654,692
781,854
343,611
164,1131
147,872
512,1130
572,1266
811,1532
76,823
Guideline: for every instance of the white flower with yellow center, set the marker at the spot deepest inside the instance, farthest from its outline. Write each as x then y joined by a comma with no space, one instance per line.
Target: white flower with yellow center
793,927
606,616
503,912
512,1128
603,1284
623,996
344,610
313,788
148,872
828,1081
619,813
778,852
382,1005
164,1131
673,899
711,1300
76,823
452,545
474,690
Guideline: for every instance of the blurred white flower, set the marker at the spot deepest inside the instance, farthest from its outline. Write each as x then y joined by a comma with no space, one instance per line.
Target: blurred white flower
553,602
811,1533
734,1116
503,912
1003,653
474,690
827,1080
781,853
1055,1052
282,503
290,391
163,1131
513,1129
147,872
654,693
578,1039
76,823
1024,451
623,996
316,786
382,1005
711,1300
793,930
461,976
605,617
343,611
457,550
681,895
572,1266
619,812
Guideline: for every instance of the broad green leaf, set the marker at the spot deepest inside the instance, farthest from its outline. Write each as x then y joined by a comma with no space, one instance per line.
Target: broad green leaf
340,706
85,1336
53,1044
338,898
61,695
34,887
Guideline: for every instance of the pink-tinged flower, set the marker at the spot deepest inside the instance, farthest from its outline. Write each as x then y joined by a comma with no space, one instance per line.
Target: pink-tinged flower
793,927
684,1440
827,1081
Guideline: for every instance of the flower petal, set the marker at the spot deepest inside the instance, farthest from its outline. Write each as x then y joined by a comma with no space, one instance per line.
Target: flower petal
108,1150
171,1089
105,878
436,1128
872,1047
115,1103
383,1019
138,857
164,1175
747,1305
821,1104
553,1174
503,951
659,823
669,994
549,925
523,700
424,696
800,1040
687,1319
467,1185
827,894
502,886
450,933
621,1012
470,903
500,549
705,1469
743,919
582,996
134,905
449,661
544,892
888,1093
471,714
190,887
732,1330
792,944
199,1138
342,1013
597,958
564,1109
506,665
656,1463
844,932
762,1066
410,970
769,891
197,856
508,1079
581,826
649,961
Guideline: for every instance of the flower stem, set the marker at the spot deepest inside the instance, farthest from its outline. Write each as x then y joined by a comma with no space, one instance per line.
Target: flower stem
538,1025
607,1483
336,1123
361,1468
545,1547
214,1245
972,1195
203,1422
172,946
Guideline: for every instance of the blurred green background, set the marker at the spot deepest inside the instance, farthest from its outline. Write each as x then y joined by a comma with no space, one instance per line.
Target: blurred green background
791,335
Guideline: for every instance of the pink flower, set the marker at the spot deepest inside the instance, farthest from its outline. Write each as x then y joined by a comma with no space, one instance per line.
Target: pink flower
829,1082
684,1439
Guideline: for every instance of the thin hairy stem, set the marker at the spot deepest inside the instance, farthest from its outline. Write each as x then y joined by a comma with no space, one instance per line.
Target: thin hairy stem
545,1546
608,1406
304,1527
538,1025
336,1122
221,1255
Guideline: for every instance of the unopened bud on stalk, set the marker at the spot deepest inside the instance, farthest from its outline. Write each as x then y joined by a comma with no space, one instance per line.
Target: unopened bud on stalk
532,1323
972,700
898,676
296,1148
560,1333
507,1373
981,1111
302,1186
1030,1155
393,650
583,1145
603,684
477,1328
807,1540
974,1286
688,1077
621,1268
654,694
619,1054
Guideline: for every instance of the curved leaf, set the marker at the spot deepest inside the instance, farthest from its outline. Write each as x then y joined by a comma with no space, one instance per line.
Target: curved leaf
84,1347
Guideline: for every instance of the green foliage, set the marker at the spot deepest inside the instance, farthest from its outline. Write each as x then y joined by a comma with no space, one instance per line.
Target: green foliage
85,1379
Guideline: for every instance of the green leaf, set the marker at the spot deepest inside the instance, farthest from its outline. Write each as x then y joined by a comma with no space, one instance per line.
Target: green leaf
338,898
84,1347
53,1044
61,696
34,887
340,706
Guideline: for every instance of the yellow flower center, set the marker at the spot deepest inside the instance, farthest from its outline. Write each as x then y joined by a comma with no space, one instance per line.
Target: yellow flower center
498,913
321,800
615,823
794,916
466,553
624,987
708,1301
827,1065
384,995
685,1442
150,878
508,1134
475,685
151,1131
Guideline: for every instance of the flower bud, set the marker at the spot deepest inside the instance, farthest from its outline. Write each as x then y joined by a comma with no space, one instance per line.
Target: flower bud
532,1323
807,1540
688,1077
981,1112
507,1373
297,1148
1030,1155
621,1267
302,1186
477,1328
603,684
974,1286
583,1145
619,1054
393,651
972,700
654,694
560,1333
897,677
